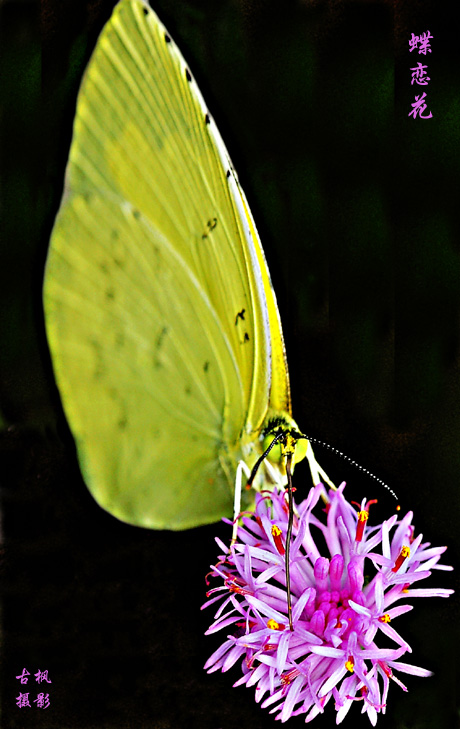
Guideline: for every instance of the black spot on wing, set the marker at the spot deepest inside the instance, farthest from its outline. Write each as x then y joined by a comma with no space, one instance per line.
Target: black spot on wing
161,337
207,119
114,394
240,315
136,214
99,367
210,225
146,10
246,337
206,367
188,75
228,174
158,345
167,38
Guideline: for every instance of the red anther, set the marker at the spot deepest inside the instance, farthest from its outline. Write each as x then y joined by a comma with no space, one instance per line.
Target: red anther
250,662
385,618
385,668
236,584
350,664
277,537
289,676
273,625
251,624
363,516
403,555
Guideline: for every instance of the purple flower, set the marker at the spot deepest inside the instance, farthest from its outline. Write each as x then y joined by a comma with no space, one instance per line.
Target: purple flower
338,612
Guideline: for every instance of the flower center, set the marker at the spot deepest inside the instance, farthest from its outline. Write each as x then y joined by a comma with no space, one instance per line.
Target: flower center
327,611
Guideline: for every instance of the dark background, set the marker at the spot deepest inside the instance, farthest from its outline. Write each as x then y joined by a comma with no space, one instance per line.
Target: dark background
357,207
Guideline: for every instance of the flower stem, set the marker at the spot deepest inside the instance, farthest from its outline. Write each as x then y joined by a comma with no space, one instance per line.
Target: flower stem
288,539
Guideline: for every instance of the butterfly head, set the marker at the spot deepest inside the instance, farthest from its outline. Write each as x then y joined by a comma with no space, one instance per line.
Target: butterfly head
281,437
281,441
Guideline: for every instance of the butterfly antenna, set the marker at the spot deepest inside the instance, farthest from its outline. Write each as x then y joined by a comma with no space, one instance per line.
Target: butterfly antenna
354,463
256,466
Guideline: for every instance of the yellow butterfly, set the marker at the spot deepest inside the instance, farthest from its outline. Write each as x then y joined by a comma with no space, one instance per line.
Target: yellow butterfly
161,319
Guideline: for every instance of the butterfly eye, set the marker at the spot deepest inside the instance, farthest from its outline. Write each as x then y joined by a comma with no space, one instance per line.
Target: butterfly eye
275,454
300,450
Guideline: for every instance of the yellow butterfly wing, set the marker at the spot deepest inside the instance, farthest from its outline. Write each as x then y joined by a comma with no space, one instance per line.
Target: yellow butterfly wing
162,324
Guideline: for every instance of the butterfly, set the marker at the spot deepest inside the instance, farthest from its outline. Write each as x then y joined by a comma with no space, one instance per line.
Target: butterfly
161,319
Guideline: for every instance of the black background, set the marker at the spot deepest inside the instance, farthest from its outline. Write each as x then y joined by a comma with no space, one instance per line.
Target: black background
357,207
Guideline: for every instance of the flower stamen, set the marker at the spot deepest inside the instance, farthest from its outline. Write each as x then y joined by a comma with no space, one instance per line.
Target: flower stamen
237,585
276,534
350,664
273,625
387,670
289,676
385,618
401,558
363,516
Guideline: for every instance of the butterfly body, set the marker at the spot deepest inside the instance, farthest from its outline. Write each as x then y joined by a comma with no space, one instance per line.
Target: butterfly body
161,319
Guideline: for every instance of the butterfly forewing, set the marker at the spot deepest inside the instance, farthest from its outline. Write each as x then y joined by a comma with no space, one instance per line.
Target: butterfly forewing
158,308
